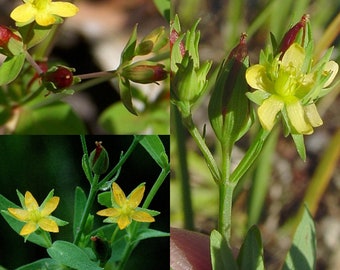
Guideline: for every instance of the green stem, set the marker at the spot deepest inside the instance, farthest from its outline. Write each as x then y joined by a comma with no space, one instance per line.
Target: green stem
183,172
122,160
203,147
156,186
88,206
250,156
225,204
225,195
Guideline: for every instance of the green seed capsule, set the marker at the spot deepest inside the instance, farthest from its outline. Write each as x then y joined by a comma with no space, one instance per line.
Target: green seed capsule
99,159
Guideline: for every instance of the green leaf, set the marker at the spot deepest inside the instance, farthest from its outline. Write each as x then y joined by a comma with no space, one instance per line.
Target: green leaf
72,256
150,233
33,34
300,145
11,67
129,50
43,264
58,118
79,206
251,252
302,254
154,146
115,118
86,168
163,7
125,94
105,199
221,256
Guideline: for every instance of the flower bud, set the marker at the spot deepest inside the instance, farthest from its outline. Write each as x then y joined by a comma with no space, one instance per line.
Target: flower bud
144,72
189,83
10,43
58,78
290,36
228,106
99,159
101,248
152,42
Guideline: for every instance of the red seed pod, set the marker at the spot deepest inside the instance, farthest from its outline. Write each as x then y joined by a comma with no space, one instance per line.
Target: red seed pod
62,77
290,36
5,35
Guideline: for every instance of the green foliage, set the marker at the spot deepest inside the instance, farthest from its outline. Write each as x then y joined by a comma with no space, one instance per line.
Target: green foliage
221,255
251,252
72,256
87,250
302,254
11,68
115,119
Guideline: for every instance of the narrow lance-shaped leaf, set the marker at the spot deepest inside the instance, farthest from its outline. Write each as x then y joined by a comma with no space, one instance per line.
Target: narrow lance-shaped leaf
302,254
251,253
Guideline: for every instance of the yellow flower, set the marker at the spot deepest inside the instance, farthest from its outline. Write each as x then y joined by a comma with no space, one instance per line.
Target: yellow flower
35,216
44,12
125,209
288,87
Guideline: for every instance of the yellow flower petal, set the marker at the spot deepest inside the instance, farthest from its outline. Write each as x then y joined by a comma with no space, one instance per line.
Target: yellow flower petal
123,221
63,9
118,194
313,115
256,77
20,214
142,216
136,196
268,110
24,13
48,225
296,115
294,57
109,212
50,206
30,202
29,228
44,19
332,67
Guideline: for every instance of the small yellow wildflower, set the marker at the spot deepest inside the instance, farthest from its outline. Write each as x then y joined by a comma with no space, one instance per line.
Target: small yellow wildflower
126,210
285,86
44,12
35,216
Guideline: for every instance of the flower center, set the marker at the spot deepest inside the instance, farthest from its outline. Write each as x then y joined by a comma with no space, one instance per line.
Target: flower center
41,4
35,215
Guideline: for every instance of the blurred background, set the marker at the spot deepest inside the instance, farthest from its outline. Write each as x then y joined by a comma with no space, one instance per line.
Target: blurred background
41,163
274,189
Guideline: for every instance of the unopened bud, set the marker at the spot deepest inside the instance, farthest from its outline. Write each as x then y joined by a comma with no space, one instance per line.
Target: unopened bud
228,106
144,72
7,36
99,159
58,78
101,248
152,42
290,36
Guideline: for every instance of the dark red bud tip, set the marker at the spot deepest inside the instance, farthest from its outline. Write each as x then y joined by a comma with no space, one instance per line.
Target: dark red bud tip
240,52
5,35
61,78
290,36
173,37
99,149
